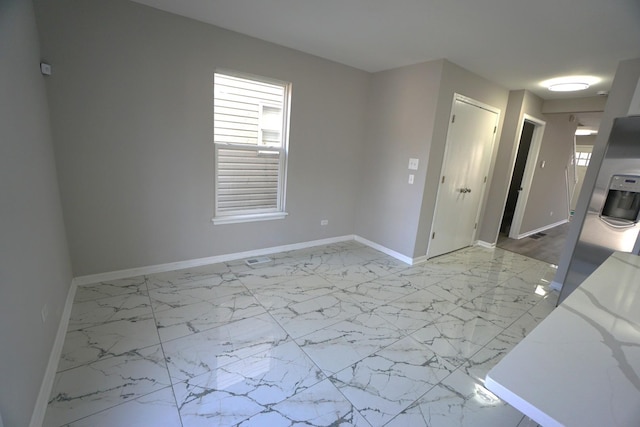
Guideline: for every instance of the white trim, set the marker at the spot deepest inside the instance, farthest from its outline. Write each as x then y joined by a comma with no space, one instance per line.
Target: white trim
529,171
484,244
556,286
483,196
37,417
385,250
538,230
420,260
235,219
161,268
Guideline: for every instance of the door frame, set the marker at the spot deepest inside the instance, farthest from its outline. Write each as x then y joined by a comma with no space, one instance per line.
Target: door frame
481,206
529,170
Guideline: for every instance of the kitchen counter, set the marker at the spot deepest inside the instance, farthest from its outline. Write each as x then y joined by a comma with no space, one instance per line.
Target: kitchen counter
581,365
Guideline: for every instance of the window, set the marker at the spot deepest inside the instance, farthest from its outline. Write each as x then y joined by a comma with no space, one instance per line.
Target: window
582,158
251,123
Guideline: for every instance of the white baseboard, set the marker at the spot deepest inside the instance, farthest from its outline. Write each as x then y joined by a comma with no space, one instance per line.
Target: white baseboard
556,286
420,260
484,244
385,250
37,417
541,229
161,268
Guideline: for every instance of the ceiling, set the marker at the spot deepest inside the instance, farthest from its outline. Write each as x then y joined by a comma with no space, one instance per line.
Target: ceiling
516,44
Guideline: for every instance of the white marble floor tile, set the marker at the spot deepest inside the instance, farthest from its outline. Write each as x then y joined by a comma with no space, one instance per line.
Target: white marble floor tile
335,335
178,277
196,354
415,311
380,291
341,259
385,383
259,277
268,377
457,336
347,276
502,306
109,289
107,340
458,401
88,389
528,422
194,318
425,275
168,297
237,391
301,289
154,409
308,316
461,288
340,345
202,407
479,364
104,310
321,405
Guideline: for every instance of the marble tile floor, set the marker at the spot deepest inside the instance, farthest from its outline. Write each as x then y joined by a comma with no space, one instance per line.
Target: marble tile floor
337,335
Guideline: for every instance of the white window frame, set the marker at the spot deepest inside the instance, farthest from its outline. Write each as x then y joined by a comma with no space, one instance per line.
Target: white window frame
583,158
257,214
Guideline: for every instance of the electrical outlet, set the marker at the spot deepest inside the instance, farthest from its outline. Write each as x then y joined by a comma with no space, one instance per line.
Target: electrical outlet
45,313
324,222
551,213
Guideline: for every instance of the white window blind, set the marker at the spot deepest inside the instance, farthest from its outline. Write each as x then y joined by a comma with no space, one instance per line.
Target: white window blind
250,136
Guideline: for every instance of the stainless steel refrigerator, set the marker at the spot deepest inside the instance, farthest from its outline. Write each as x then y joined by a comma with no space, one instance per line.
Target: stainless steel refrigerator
612,219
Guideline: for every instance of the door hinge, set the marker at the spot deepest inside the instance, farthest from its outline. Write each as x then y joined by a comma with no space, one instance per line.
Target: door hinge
475,227
442,179
433,235
453,118
495,129
485,179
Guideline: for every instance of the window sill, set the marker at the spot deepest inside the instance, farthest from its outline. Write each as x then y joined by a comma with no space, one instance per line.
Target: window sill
248,218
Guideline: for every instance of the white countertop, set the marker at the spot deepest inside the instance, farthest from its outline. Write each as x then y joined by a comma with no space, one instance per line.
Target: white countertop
581,365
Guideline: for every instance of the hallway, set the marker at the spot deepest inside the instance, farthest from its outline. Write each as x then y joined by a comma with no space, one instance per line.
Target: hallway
546,246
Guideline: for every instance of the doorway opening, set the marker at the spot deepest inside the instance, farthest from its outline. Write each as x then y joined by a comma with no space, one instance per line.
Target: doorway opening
516,178
522,176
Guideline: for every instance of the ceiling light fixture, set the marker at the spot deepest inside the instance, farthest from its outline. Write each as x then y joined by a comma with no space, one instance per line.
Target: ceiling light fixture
568,87
570,83
583,132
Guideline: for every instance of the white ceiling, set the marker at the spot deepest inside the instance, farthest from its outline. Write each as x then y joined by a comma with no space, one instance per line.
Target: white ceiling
514,43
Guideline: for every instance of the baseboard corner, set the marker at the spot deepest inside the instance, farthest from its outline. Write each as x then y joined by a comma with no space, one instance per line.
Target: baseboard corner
37,417
484,244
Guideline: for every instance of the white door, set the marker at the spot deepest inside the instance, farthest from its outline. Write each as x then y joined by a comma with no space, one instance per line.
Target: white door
464,175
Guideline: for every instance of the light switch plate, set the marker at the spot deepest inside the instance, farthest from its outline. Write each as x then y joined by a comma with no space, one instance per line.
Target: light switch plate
411,179
413,164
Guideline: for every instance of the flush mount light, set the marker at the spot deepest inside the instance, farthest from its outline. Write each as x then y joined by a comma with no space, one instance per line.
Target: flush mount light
569,83
568,87
583,132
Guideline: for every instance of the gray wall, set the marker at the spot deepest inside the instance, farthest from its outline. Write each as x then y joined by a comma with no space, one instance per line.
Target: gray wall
34,266
622,89
131,105
409,111
547,203
505,158
402,108
455,79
